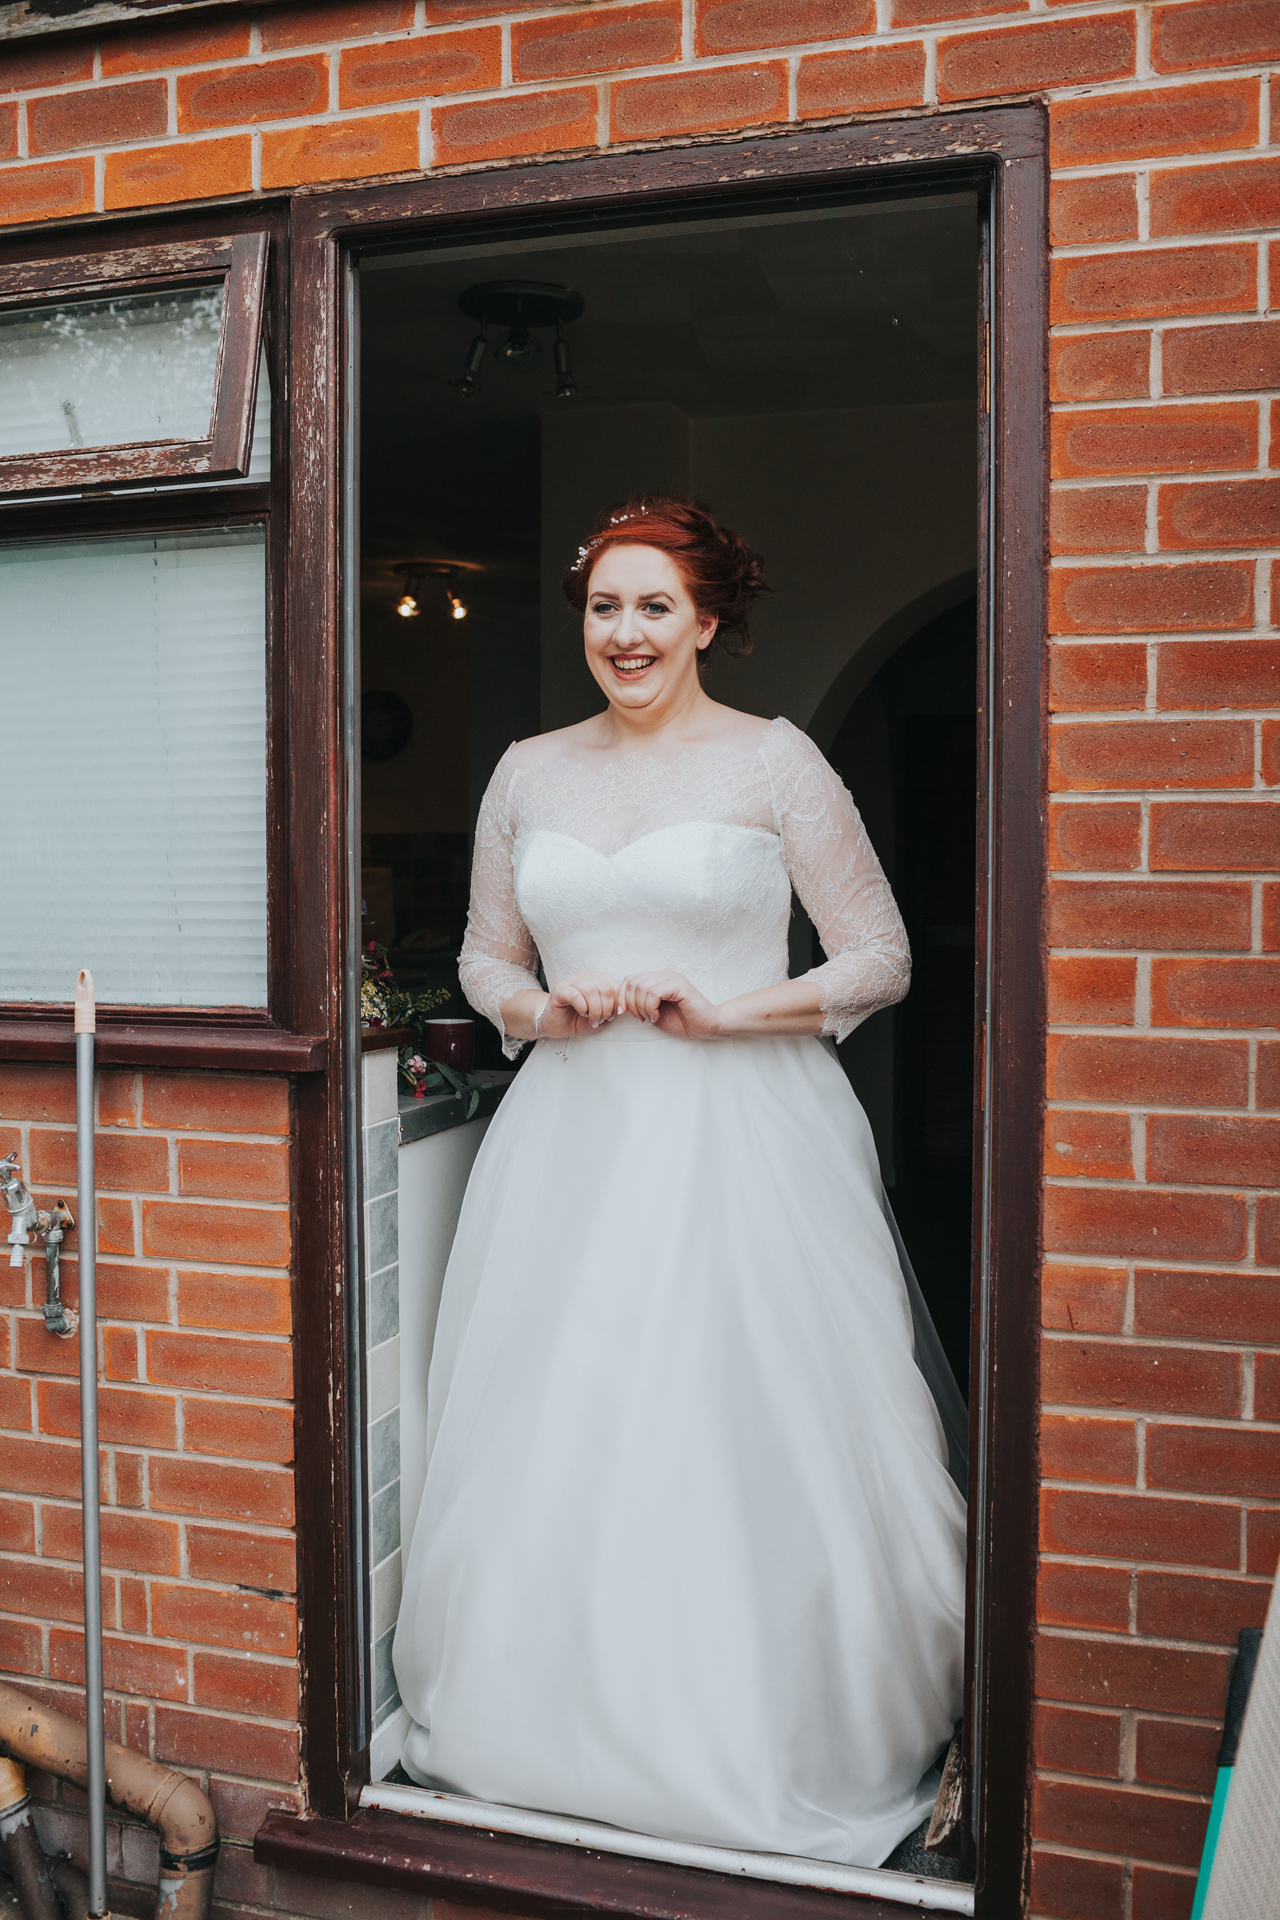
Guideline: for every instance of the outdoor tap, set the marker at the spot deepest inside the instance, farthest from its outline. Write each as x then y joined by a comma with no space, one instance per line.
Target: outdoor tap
56,1317
22,1208
28,1220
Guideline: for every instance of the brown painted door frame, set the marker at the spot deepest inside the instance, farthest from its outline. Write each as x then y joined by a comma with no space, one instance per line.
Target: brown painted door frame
1003,151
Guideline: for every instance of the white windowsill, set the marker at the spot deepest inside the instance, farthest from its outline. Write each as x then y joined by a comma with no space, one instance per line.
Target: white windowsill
939,1896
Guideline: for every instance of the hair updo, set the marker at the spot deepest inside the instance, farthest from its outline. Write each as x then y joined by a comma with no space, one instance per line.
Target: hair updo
722,573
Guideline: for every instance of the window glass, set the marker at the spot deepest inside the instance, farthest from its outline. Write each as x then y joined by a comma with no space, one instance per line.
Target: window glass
109,372
260,452
133,782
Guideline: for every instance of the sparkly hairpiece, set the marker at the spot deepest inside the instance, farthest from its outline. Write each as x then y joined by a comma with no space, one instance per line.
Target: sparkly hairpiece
615,520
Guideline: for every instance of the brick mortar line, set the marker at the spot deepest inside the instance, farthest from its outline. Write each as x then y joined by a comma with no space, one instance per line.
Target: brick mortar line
1102,1104
1112,1563
1154,1789
1084,1182
708,63
1161,323
1172,1569
1053,1630
959,27
1130,165
1078,716
1138,561
1152,796
282,1661
1175,1343
1163,243
29,1314
1140,403
247,1714
260,1529
131,1130
1190,954
1069,1849
1094,876
1166,1716
149,1195
1155,1416
1163,637
260,1401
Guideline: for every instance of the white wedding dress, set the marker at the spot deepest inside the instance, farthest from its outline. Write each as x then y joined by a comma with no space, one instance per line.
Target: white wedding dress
688,1560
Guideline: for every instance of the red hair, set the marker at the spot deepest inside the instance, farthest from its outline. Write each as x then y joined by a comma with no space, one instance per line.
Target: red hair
722,573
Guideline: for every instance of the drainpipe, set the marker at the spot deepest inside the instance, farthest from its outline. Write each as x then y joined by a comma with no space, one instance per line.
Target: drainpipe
27,1863
52,1742
91,1550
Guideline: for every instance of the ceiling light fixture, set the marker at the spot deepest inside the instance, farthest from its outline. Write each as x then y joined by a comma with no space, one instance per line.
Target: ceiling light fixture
414,572
519,306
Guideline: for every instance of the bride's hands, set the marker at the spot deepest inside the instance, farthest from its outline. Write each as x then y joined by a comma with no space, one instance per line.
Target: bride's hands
579,1005
670,1003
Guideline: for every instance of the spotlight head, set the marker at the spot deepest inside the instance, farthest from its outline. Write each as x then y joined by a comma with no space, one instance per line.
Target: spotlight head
468,381
517,348
566,385
407,607
456,607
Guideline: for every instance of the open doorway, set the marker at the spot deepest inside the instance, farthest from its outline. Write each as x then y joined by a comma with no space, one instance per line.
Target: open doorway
810,371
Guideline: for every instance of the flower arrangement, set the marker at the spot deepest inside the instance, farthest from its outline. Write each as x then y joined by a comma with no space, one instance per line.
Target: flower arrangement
384,1004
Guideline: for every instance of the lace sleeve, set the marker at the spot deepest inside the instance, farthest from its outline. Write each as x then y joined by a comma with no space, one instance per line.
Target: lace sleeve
840,882
498,956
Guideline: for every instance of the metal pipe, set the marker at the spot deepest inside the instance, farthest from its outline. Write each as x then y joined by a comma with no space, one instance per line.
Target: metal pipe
85,1023
54,1743
56,1318
22,1208
73,1890
28,1219
27,1864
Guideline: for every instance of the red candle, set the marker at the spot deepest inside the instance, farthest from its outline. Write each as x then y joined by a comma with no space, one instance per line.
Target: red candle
452,1041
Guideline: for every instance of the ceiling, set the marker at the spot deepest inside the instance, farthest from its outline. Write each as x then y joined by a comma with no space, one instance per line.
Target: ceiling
865,305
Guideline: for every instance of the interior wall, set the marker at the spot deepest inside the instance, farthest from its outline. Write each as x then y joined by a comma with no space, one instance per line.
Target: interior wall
423,789
894,515
593,457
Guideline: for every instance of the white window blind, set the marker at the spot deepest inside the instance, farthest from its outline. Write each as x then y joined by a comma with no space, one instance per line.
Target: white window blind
109,372
133,771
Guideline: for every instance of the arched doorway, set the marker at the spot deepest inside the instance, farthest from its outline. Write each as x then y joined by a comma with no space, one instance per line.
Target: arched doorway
907,749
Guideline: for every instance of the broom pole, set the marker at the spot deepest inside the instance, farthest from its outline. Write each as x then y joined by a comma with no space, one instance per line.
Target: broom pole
86,1022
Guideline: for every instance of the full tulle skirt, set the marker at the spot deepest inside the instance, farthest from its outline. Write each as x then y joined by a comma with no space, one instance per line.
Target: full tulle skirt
688,1560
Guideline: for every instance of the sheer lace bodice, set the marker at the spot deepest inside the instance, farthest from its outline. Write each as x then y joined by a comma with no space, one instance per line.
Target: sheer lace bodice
713,902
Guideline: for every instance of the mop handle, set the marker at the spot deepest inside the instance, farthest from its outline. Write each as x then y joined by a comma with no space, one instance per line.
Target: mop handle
86,1022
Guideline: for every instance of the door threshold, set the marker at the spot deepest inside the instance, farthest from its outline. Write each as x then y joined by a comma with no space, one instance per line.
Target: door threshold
785,1869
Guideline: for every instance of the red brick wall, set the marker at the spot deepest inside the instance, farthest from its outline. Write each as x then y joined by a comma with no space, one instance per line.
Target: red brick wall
196,1425
1162,1285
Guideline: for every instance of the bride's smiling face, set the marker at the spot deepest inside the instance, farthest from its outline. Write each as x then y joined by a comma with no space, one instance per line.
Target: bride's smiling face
642,630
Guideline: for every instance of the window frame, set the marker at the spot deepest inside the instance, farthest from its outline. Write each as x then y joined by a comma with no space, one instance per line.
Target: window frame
1004,147
291,1033
239,261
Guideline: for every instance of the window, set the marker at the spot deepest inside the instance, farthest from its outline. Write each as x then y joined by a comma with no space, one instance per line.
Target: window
136,817
141,586
136,365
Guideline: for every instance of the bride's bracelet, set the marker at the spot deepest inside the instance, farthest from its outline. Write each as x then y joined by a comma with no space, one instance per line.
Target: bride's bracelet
537,1024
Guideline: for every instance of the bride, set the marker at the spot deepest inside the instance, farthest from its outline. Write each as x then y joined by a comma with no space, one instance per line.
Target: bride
688,1560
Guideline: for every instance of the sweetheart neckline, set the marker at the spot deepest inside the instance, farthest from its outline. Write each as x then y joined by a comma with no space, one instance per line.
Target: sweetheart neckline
676,826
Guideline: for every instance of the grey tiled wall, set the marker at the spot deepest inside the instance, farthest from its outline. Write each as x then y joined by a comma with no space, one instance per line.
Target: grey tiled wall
382,1323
